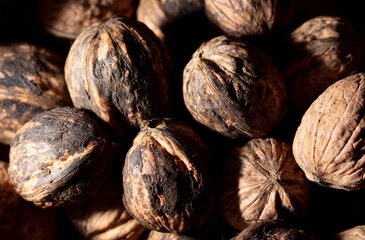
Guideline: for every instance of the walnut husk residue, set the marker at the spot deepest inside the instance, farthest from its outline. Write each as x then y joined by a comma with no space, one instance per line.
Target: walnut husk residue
329,144
354,233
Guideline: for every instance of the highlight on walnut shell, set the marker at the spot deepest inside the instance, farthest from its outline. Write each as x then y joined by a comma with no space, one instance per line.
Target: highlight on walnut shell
31,81
68,18
120,71
167,181
240,18
233,88
329,144
354,233
103,216
321,51
53,156
261,181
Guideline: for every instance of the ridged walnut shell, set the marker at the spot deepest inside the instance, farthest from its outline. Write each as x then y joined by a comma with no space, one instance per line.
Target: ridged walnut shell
241,18
233,88
321,51
60,157
273,230
329,144
31,81
120,71
154,235
355,233
68,18
166,178
103,216
261,181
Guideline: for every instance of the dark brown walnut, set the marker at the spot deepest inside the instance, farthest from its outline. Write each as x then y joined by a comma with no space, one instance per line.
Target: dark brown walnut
261,181
273,230
68,18
355,233
233,88
120,71
329,144
60,157
103,216
240,18
166,177
321,51
31,81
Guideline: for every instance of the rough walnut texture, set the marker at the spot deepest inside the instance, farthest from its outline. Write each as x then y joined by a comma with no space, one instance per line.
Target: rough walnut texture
355,233
241,18
166,178
31,81
68,18
261,181
53,156
154,235
273,230
233,88
321,51
329,144
120,71
103,216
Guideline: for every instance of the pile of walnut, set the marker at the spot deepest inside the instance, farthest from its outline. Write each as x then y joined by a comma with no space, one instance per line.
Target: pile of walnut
171,119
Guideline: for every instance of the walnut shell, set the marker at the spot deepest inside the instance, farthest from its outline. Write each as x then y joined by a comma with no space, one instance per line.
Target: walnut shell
103,216
120,71
355,233
154,235
321,51
166,178
233,88
60,157
329,144
31,81
68,18
241,18
273,230
261,181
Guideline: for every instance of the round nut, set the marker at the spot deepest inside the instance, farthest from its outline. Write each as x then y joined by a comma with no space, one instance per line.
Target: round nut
355,233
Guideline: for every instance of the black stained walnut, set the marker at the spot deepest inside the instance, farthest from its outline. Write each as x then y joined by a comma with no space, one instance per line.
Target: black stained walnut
120,71
68,18
240,18
261,181
103,216
60,157
167,179
329,144
234,89
354,233
321,51
274,230
31,81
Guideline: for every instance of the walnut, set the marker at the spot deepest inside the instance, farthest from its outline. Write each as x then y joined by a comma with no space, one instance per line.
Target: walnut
103,216
321,51
120,71
329,144
241,18
154,235
166,177
233,88
354,233
261,181
53,156
31,81
68,18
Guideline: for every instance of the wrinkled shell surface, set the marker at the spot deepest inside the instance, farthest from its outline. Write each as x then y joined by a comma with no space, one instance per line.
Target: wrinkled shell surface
120,71
154,235
261,181
68,18
322,51
53,156
166,178
103,216
241,18
233,88
355,233
31,81
329,144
